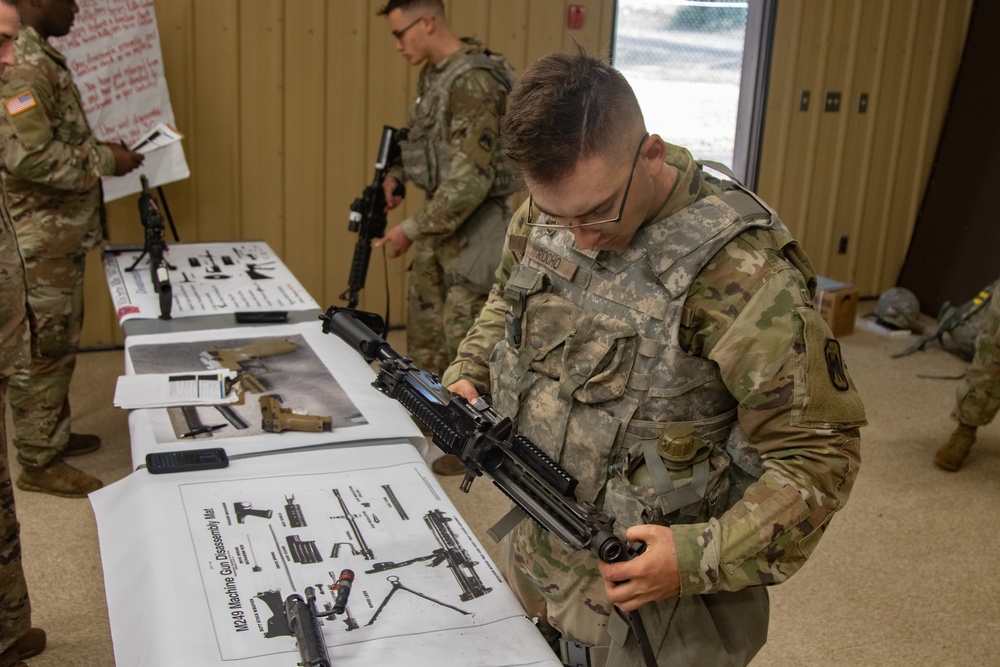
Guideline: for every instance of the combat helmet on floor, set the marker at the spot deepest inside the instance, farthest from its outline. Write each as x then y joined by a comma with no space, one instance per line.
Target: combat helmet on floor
898,308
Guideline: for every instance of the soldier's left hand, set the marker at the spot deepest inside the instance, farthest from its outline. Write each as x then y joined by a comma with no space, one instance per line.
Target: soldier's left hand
648,577
396,240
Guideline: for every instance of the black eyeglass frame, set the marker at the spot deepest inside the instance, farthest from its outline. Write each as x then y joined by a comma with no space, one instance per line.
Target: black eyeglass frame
399,34
612,221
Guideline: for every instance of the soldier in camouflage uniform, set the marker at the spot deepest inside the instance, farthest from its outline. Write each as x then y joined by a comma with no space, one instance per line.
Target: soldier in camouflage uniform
652,329
18,639
52,166
979,394
452,152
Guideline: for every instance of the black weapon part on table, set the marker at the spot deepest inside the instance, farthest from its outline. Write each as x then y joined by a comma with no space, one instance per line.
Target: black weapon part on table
397,586
232,417
154,247
227,260
487,445
303,551
362,549
391,497
244,509
303,620
294,513
194,262
450,552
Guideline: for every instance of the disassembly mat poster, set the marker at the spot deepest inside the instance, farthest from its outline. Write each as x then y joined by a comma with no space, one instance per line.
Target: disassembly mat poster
206,279
418,569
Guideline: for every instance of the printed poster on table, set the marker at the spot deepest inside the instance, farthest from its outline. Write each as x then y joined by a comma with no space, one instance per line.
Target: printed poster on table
205,279
257,541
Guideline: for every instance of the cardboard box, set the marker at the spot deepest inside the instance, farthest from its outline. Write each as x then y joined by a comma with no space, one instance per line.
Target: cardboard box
838,304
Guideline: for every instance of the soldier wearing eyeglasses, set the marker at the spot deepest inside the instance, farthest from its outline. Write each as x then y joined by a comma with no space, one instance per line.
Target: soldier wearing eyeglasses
653,330
451,151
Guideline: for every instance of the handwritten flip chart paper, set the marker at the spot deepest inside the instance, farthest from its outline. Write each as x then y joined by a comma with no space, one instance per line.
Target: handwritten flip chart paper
113,50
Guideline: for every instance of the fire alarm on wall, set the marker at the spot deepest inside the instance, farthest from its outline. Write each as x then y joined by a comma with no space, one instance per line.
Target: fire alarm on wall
574,18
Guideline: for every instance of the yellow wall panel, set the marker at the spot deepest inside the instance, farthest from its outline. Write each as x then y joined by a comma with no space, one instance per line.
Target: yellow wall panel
847,175
261,117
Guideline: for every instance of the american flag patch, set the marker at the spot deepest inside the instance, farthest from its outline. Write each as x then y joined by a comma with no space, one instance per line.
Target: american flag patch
21,103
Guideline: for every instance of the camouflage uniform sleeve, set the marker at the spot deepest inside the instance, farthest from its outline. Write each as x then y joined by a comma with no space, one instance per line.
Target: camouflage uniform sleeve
797,405
475,105
473,359
31,148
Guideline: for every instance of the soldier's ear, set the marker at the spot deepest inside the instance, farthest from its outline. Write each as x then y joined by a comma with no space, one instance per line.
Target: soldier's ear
654,151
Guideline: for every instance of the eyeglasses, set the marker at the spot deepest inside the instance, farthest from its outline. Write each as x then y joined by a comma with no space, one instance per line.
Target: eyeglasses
398,34
592,223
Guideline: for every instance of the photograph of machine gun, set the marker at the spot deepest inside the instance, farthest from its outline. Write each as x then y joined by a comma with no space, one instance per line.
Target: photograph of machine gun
285,368
486,444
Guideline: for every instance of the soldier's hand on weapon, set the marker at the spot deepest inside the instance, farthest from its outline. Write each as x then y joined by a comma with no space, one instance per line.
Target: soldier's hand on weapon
465,389
125,160
648,577
389,187
396,240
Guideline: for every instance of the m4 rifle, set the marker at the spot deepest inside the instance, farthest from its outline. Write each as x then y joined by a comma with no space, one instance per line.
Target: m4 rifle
486,444
367,216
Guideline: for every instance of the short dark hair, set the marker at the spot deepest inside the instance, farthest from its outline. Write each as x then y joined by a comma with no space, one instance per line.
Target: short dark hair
433,6
567,107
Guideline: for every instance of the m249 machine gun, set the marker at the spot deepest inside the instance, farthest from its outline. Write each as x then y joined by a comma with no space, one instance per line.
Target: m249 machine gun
367,216
485,443
154,246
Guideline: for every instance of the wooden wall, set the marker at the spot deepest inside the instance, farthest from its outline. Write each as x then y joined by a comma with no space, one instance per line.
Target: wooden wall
849,183
282,104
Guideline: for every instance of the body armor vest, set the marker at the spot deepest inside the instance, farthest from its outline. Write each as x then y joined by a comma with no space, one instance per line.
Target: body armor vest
592,371
426,150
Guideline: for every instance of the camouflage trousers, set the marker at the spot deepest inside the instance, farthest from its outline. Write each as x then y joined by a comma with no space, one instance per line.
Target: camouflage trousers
558,586
15,608
39,395
979,393
438,314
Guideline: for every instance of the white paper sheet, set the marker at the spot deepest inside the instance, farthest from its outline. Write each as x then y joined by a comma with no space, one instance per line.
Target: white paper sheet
160,390
206,279
188,582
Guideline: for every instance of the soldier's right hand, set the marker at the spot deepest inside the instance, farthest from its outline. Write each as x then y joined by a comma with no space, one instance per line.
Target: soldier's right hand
125,160
465,389
389,186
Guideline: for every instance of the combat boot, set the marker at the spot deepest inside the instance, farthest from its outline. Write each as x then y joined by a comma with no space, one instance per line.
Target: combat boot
81,443
953,453
58,478
9,659
30,644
